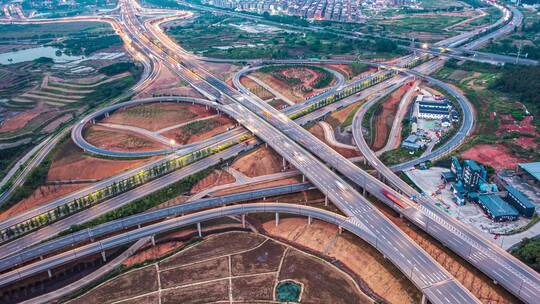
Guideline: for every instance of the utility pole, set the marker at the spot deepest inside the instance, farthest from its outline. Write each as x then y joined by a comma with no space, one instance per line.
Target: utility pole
519,52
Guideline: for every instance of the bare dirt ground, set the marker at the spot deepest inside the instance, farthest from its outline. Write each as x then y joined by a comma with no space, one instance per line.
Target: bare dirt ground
341,115
280,86
23,118
168,83
187,135
363,260
526,142
480,285
261,161
496,156
125,286
157,116
40,196
120,140
319,133
216,178
237,267
70,163
256,89
382,122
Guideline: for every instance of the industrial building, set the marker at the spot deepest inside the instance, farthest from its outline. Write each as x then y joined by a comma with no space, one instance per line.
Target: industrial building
431,108
520,201
530,172
411,143
496,208
469,182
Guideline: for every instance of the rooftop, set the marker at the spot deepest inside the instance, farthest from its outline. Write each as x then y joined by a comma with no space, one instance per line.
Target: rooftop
520,196
472,164
532,168
497,206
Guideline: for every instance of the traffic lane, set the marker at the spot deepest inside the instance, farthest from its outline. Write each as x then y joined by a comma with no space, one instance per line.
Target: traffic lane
120,224
338,199
116,202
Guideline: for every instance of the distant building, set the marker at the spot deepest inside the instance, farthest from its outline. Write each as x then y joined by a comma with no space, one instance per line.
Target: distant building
432,109
473,174
496,208
411,143
456,168
530,172
520,202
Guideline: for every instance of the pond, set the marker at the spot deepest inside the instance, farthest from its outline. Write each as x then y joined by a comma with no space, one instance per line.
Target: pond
288,291
35,53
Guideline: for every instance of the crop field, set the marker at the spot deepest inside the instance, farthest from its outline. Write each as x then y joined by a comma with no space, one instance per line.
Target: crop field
237,267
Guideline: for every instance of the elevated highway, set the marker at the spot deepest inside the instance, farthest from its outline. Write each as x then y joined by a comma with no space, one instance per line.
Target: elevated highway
446,291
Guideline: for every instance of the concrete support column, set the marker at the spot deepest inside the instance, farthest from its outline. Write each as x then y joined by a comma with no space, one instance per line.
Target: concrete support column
326,199
277,218
284,163
309,220
93,121
424,299
364,191
138,226
199,230
153,240
103,256
41,258
303,178
243,221
340,229
107,114
49,272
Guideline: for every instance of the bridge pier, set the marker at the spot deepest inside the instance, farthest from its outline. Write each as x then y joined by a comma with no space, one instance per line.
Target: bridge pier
103,256
284,163
303,178
326,199
340,230
199,230
153,240
49,272
277,219
107,114
309,220
424,299
93,121
244,221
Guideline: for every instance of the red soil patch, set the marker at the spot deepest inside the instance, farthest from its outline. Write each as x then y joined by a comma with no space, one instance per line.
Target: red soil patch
497,156
216,178
71,163
120,140
256,89
40,196
22,119
509,125
342,68
157,116
319,133
382,122
184,135
261,161
526,142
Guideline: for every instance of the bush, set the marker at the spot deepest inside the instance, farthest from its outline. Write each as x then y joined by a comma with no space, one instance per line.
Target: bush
117,68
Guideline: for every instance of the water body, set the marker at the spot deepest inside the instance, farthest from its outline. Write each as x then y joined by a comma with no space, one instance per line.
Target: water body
288,291
35,53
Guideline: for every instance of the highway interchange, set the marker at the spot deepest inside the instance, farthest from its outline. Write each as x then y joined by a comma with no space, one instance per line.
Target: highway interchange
313,158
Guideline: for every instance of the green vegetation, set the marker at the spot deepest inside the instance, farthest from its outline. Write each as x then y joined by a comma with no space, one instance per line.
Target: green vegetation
44,33
528,251
494,91
119,68
87,45
527,37
399,155
348,121
358,68
222,37
154,199
9,156
323,80
35,178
